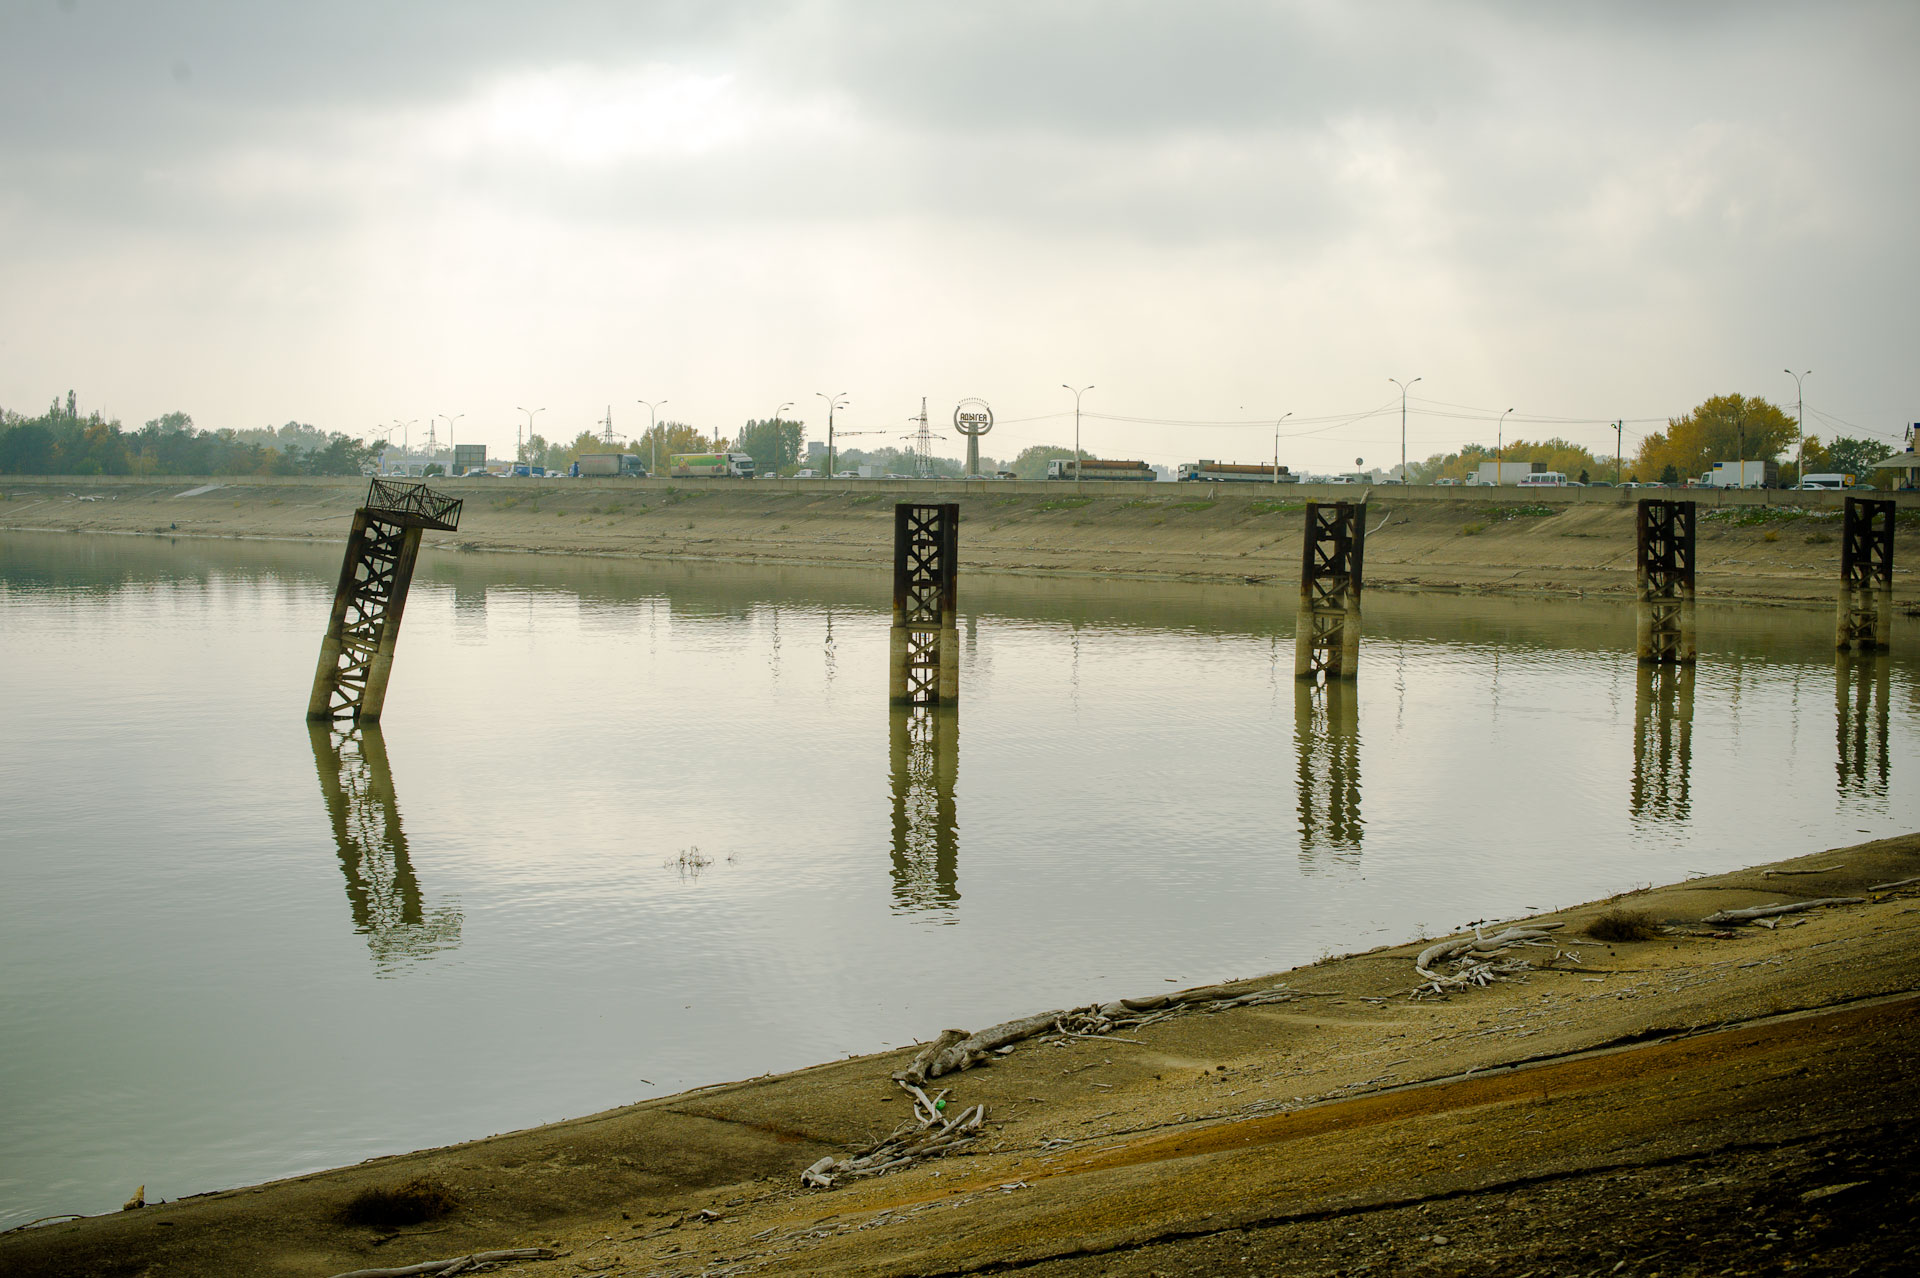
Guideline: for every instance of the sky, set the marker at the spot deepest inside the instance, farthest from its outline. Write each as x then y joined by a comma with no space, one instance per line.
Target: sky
1213,213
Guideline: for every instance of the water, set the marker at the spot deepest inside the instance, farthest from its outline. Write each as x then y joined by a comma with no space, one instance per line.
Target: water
633,827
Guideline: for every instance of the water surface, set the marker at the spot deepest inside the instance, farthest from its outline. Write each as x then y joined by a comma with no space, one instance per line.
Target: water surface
631,827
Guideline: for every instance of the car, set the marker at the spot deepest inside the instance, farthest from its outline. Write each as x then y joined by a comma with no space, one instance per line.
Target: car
846,474
806,474
1446,483
1601,483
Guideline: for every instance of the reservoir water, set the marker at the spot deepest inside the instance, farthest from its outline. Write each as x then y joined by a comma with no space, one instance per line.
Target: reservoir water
631,827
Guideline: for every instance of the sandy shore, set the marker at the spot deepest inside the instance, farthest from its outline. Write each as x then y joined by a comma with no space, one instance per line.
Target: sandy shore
1714,1099
1758,546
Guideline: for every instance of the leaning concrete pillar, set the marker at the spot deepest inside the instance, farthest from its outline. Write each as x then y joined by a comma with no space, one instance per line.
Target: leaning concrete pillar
1663,582
1865,619
356,654
1326,636
924,647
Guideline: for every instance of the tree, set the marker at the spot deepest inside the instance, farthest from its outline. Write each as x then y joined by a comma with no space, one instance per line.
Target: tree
774,444
1032,462
669,438
1724,428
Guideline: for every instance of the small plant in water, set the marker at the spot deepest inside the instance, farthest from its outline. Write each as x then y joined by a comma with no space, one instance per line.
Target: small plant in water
1624,925
414,1202
690,862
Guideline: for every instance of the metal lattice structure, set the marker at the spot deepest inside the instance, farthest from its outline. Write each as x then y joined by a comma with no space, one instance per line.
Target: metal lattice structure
1327,632
925,644
356,656
1862,722
925,755
1663,577
1866,575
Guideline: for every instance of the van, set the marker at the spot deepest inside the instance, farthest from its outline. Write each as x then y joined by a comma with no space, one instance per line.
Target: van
1826,481
1544,479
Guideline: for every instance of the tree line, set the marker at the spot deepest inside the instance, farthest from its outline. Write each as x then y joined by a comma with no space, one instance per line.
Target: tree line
61,441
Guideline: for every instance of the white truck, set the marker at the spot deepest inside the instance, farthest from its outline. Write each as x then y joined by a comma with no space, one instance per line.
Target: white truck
1742,474
1501,472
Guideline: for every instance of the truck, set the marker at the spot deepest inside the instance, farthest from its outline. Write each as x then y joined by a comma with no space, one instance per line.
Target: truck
608,464
1095,468
1742,474
1233,472
1501,472
718,465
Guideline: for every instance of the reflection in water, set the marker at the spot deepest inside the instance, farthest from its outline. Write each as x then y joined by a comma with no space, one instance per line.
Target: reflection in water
925,753
1861,692
1326,731
382,892
1662,742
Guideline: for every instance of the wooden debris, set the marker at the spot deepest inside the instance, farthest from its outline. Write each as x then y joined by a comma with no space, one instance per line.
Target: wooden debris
929,1135
1477,957
455,1264
1812,869
1897,883
1769,911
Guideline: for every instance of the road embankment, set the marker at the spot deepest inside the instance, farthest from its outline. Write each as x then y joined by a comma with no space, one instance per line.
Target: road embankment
1709,1096
1758,546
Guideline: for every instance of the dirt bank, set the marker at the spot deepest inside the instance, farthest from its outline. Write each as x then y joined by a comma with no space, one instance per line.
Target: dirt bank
1772,547
1711,1099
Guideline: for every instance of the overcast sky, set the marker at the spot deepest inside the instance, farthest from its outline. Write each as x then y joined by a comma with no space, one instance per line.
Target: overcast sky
361,212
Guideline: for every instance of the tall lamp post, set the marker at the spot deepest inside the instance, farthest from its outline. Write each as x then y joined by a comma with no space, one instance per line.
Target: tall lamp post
779,415
1500,451
834,401
1800,447
1403,424
653,442
449,421
1276,446
406,439
530,414
1076,426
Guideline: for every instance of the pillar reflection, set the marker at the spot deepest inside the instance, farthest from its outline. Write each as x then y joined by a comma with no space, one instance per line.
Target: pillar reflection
382,891
1662,742
1862,692
924,745
1326,733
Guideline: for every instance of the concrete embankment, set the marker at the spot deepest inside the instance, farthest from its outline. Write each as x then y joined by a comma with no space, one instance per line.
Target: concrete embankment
1709,1098
1762,546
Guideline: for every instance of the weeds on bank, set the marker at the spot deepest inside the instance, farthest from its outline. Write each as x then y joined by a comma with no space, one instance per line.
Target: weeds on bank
1275,507
412,1203
1008,501
1751,516
1624,925
1066,503
861,501
1500,514
1472,530
1193,505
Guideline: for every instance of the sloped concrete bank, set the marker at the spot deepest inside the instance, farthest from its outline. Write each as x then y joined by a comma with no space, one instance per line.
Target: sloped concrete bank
1711,1099
1760,546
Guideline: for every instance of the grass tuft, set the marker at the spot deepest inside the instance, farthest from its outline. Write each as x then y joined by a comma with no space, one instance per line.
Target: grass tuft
1624,925
414,1202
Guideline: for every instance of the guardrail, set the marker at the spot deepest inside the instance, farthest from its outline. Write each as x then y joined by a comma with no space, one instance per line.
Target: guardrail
414,503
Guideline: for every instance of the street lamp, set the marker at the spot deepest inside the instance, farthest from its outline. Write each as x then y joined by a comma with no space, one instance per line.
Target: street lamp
1403,424
653,441
1276,446
449,421
779,415
1800,447
834,401
1076,426
406,442
1500,450
529,412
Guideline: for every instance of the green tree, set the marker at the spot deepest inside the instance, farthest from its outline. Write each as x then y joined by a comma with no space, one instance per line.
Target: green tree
775,444
669,438
1032,462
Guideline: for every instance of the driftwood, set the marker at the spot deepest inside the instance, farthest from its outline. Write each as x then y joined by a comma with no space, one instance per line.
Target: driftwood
1769,911
1478,958
927,1136
957,1049
455,1264
1897,883
1812,869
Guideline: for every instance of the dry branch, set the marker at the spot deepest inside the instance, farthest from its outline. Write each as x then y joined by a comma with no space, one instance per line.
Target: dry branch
455,1264
1769,911
1897,883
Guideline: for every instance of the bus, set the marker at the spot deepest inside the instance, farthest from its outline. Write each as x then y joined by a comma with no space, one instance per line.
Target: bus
1544,479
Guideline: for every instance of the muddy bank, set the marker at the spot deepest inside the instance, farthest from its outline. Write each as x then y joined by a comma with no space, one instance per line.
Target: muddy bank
1769,547
1709,1098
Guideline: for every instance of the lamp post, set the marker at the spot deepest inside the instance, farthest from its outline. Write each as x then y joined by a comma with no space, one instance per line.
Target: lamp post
449,421
529,412
835,401
1276,446
406,441
1403,424
778,415
1800,443
386,442
1500,451
653,442
1076,426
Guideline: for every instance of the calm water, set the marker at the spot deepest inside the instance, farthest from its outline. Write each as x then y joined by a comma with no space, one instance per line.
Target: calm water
635,827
